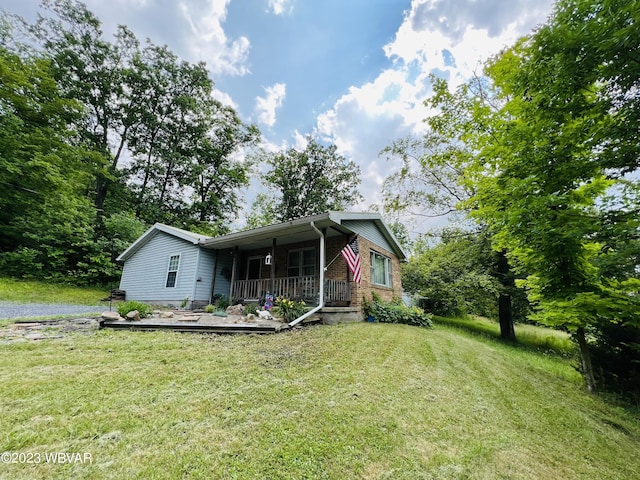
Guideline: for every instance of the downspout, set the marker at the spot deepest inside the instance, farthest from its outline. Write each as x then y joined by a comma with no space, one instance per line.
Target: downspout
321,299
194,292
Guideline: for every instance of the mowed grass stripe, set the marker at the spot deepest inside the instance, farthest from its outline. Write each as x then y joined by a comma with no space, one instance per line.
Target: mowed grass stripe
349,401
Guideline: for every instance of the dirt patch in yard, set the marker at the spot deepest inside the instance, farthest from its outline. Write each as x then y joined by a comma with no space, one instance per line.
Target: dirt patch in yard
46,329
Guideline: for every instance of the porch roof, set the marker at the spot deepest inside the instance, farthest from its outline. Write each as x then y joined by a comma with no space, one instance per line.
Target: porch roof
300,230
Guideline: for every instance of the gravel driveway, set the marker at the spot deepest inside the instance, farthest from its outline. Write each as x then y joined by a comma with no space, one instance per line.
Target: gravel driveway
25,310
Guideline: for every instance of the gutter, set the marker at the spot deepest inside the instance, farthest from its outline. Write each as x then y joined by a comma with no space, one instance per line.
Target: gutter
322,262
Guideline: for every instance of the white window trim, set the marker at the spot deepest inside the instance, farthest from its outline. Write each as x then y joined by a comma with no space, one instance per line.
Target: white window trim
388,269
177,270
299,250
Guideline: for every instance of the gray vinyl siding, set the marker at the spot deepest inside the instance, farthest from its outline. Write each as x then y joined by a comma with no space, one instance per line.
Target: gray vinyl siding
204,272
225,262
144,274
368,230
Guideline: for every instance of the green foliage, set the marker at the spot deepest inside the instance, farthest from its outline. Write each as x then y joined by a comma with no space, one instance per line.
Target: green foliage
616,358
289,309
221,302
130,305
308,182
461,275
72,102
536,152
396,312
209,308
251,308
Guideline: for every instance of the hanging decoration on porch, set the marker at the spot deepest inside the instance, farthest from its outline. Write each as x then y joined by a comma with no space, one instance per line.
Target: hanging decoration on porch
268,259
351,254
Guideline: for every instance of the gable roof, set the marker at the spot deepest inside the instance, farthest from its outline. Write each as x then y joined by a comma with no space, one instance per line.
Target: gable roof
190,237
293,231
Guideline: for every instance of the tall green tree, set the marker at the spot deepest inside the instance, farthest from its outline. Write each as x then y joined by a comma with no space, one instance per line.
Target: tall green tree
314,180
132,130
565,135
217,175
433,181
145,103
94,72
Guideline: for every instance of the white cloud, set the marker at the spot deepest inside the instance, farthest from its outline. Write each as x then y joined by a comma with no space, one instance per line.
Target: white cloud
266,106
209,42
225,99
280,7
435,37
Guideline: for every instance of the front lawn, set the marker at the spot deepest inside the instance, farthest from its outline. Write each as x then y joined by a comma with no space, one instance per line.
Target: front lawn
348,401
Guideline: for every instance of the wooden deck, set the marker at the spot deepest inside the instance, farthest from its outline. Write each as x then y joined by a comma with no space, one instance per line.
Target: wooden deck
196,327
204,323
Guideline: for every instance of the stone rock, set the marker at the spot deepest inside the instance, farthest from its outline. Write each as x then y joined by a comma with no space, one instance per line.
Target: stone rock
111,316
166,314
133,316
250,318
264,314
235,309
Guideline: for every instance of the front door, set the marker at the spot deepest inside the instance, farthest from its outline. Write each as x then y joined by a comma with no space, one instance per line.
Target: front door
254,267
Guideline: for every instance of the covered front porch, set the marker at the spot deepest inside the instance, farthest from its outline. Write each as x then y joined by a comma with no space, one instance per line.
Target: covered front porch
305,288
295,260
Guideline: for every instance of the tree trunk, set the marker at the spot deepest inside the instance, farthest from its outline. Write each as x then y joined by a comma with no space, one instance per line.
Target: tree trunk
585,360
504,316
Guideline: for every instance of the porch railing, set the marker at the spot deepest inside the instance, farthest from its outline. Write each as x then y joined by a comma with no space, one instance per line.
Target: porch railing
304,288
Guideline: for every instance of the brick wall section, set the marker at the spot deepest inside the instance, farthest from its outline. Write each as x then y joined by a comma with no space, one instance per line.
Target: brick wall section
364,290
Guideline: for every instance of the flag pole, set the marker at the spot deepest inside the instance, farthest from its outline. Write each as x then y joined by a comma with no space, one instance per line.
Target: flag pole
339,253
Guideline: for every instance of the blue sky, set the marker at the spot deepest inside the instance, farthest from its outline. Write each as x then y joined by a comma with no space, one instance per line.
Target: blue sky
349,72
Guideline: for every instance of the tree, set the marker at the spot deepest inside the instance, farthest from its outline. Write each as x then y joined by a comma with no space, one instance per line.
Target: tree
462,275
565,136
432,181
95,73
158,109
311,181
43,211
214,175
75,112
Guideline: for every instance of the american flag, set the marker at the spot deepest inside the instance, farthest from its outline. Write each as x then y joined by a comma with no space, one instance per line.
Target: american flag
351,254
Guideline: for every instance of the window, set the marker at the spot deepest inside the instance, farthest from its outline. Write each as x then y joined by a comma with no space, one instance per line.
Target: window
301,262
172,271
380,269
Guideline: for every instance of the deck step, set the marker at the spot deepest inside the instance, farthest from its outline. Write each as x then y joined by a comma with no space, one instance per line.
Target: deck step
194,327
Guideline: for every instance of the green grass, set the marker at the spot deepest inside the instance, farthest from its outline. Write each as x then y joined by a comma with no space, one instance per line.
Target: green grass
526,335
27,291
349,401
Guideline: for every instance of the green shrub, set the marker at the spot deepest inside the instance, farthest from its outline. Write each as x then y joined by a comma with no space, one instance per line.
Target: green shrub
210,308
251,308
396,312
220,301
130,305
289,309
